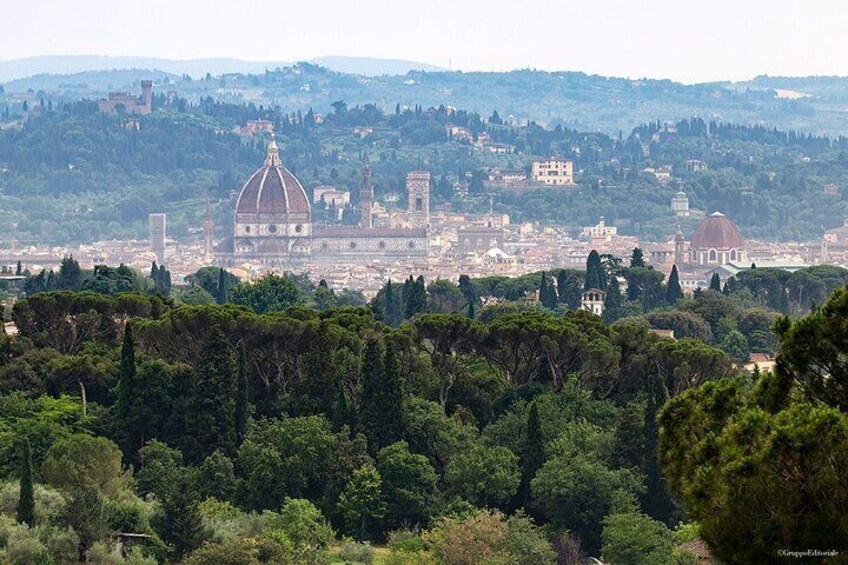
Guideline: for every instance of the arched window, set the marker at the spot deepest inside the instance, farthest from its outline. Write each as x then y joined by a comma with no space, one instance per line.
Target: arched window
733,255
419,204
712,255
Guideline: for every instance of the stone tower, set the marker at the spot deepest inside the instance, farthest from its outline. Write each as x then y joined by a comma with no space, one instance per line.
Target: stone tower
156,223
678,247
147,94
418,187
366,198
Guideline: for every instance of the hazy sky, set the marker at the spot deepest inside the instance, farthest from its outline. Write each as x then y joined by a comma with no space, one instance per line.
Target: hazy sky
688,40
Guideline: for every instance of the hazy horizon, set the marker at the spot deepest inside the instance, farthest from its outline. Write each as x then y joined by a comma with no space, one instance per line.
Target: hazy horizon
658,39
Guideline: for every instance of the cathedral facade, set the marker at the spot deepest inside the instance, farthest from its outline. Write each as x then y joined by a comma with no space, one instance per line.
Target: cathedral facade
273,224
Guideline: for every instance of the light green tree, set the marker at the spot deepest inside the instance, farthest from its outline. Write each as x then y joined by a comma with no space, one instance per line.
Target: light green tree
362,503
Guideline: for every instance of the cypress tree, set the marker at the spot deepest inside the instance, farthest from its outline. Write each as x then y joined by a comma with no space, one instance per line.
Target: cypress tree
673,292
543,288
656,501
715,283
19,269
391,399
593,271
570,292
154,274
547,293
392,311
471,310
223,291
420,294
612,301
637,258
242,408
210,417
126,390
164,281
341,412
562,286
406,295
415,296
467,289
534,454
26,500
181,523
369,404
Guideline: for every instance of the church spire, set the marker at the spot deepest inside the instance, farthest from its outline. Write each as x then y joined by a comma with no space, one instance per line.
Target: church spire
272,158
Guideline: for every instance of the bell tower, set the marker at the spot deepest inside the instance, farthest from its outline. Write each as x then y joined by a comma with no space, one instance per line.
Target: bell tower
366,198
418,187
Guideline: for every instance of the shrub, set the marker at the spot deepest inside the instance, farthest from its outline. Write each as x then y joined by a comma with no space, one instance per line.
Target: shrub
62,543
24,548
488,537
48,501
406,541
357,553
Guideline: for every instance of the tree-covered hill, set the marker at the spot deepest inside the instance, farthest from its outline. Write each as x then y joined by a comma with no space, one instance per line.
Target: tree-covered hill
70,173
589,102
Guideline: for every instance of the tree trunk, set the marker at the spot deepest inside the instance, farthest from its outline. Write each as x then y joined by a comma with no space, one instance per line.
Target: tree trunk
84,399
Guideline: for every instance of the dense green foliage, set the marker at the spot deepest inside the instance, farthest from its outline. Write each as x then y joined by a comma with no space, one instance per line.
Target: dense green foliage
264,429
759,466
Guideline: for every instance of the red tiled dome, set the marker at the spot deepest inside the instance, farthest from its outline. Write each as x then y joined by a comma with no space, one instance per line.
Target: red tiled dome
272,189
717,232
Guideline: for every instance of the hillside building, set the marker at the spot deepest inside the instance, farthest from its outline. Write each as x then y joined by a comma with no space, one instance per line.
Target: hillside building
330,196
553,172
126,103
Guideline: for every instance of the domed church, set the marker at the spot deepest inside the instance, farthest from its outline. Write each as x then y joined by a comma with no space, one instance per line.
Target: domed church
273,224
716,241
273,216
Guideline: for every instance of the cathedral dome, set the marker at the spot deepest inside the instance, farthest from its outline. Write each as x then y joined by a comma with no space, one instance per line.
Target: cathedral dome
272,189
717,232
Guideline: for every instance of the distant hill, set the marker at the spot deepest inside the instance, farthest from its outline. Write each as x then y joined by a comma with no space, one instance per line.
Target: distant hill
196,68
373,67
89,84
573,99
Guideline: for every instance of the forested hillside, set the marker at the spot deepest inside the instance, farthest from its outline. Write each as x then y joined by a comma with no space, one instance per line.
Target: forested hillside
590,102
69,173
